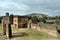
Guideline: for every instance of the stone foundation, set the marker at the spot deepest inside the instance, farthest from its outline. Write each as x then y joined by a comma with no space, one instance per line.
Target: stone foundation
46,28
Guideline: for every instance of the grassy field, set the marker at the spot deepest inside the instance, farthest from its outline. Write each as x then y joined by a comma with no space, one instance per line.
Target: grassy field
26,34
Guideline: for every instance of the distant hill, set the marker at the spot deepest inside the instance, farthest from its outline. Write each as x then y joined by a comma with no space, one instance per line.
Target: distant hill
37,15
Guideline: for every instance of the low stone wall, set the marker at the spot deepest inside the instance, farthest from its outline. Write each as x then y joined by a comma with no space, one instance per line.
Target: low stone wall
50,32
35,27
47,28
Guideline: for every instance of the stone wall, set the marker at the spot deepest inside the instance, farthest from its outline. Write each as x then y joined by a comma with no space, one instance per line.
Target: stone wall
47,28
20,21
6,23
35,27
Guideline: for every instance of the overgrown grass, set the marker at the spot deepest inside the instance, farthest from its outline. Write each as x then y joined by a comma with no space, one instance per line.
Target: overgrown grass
27,34
39,35
1,28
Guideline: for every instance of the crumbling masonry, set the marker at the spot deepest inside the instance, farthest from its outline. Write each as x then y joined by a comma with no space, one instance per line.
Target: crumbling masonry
6,23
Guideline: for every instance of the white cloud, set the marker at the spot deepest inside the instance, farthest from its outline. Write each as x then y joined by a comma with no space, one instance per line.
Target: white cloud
11,5
50,7
21,6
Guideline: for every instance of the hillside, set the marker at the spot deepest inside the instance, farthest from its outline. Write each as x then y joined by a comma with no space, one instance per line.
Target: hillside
37,15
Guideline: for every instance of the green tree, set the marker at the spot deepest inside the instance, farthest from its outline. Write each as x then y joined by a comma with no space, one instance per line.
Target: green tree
35,19
42,20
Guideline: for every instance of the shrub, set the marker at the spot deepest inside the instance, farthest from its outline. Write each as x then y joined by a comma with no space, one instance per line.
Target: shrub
42,20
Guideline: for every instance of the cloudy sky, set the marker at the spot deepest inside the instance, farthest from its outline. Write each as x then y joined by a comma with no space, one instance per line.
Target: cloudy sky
23,7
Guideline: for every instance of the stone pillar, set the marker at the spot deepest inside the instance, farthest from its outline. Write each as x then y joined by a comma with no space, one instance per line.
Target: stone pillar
8,31
4,29
29,24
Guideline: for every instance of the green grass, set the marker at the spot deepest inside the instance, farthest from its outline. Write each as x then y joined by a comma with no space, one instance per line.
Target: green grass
1,28
27,34
39,35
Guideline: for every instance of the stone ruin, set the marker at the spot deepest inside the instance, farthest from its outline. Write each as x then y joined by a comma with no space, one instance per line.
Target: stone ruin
6,23
8,20
51,29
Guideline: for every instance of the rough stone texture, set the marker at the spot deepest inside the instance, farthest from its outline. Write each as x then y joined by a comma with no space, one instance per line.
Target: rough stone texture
4,29
29,24
20,21
6,23
50,32
35,27
8,31
47,28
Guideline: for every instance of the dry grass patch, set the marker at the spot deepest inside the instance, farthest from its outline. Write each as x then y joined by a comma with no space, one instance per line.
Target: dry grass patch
27,34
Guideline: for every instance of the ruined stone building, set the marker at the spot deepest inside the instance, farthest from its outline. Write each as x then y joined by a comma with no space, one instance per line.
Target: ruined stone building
6,23
17,21
24,21
20,21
